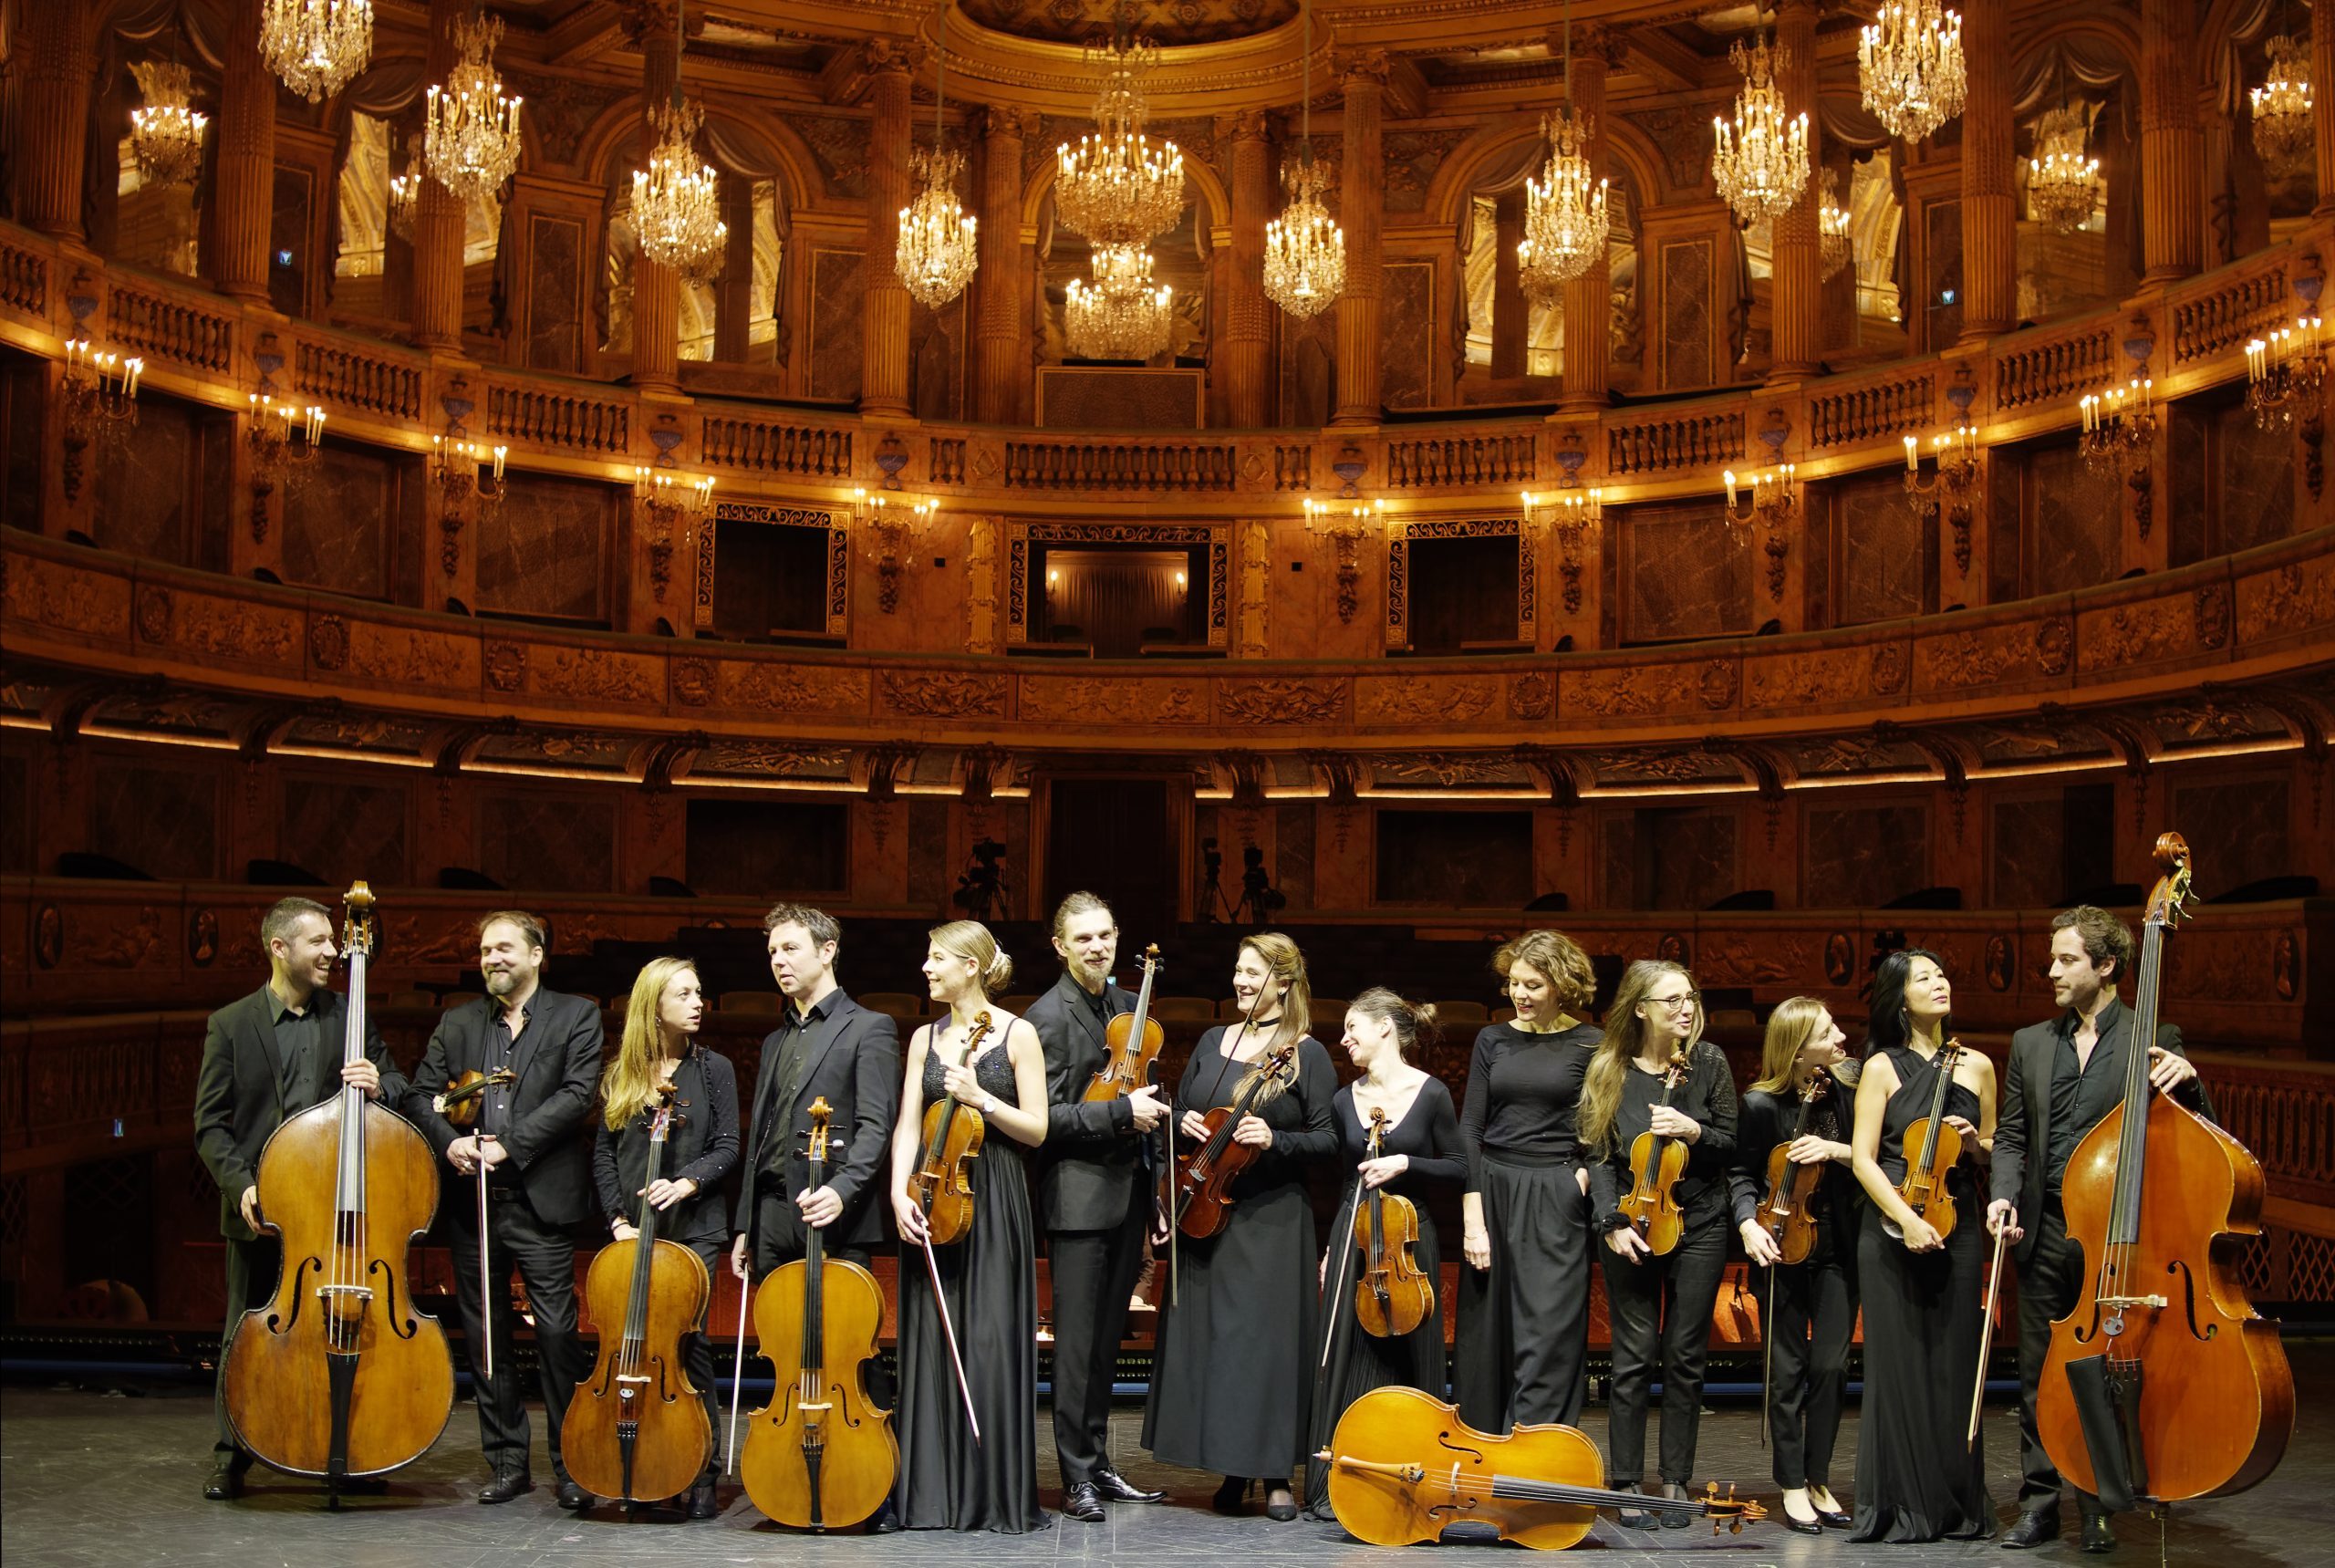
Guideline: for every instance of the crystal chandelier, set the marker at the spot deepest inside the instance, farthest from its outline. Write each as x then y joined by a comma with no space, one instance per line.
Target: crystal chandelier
405,191
472,135
1835,250
940,246
1760,159
1909,64
1565,214
2282,121
166,134
317,46
1115,187
676,204
2062,184
1119,316
1305,251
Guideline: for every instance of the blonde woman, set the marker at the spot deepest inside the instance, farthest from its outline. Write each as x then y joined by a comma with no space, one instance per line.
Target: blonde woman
1233,1376
660,1048
1661,1306
949,1480
1811,1306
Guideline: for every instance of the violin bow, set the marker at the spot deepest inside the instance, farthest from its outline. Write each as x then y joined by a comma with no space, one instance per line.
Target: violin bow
738,1364
949,1330
485,1306
1987,1335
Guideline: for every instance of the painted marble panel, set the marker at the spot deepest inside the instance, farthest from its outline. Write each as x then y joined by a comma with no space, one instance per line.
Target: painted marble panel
2257,480
163,820
931,877
2028,851
762,849
937,344
337,523
1686,353
345,831
1294,853
1863,856
836,312
2077,522
542,552
1885,559
144,488
1943,299
1309,368
1455,861
1406,323
15,817
2238,831
555,294
541,842
2189,466
1688,575
1686,858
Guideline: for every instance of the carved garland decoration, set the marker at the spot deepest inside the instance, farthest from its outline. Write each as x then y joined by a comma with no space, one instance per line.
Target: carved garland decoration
838,590
1020,536
1399,534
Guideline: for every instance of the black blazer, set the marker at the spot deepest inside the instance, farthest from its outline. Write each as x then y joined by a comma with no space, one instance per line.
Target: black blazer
240,1097
557,1059
2023,1126
1091,1160
702,1148
853,1063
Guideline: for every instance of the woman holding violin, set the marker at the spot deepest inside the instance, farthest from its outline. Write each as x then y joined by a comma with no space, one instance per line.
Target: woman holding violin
1925,1112
659,1052
1401,1136
1522,1350
1657,1118
969,1306
1795,1210
1233,1376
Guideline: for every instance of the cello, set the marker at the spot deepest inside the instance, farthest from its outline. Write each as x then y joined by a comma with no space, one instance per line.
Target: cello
338,1375
1923,1189
819,1455
1783,1209
636,1429
1393,1296
1204,1187
1651,1205
2161,1382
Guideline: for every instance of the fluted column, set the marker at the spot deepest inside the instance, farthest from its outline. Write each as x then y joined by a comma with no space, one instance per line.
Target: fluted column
1000,347
438,219
733,296
1989,211
244,163
2173,145
2322,102
1247,352
1796,314
1512,317
656,289
1588,307
1361,211
53,115
884,325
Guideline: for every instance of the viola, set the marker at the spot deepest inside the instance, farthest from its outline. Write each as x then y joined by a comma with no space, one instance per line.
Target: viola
2163,1361
1940,1146
1132,1041
1651,1205
1783,1210
820,1454
1403,1468
1393,1294
1204,1187
465,1096
636,1429
943,1183
348,1186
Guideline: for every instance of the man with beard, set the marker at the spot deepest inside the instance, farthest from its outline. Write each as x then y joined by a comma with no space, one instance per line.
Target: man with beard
265,1059
538,1182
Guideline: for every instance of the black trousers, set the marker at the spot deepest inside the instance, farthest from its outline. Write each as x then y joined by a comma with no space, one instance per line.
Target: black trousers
544,1255
1093,1274
779,1238
252,1269
1812,1319
1660,1315
2048,1284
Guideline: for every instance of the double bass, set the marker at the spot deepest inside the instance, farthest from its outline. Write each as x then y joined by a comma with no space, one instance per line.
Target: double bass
338,1375
1651,1205
1939,1147
2161,1382
820,1454
636,1429
1393,1294
1783,1209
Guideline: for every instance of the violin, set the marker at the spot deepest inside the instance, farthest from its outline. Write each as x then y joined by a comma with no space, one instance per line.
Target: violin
1651,1205
465,1096
2161,1381
636,1429
1393,1296
943,1183
1132,1041
1923,1189
1404,1467
1204,1187
1783,1210
348,1186
819,1455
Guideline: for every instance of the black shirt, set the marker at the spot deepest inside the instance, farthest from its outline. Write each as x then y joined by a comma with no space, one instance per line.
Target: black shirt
1770,1117
1707,1096
793,1046
298,1044
494,1106
2082,1094
1523,1090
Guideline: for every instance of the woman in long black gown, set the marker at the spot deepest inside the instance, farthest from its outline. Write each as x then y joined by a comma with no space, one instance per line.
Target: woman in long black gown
949,1482
1420,1147
1233,1376
1917,1478
1522,1349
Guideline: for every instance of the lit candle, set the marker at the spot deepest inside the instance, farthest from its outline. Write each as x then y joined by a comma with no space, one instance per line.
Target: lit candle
316,426
1910,460
1729,476
137,369
498,454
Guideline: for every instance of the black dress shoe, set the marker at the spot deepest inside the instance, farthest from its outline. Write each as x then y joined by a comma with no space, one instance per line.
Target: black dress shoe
1835,1521
1639,1518
1281,1512
1798,1527
1231,1494
571,1496
887,1521
503,1488
1081,1502
2097,1535
1677,1519
226,1482
2036,1527
703,1502
1116,1488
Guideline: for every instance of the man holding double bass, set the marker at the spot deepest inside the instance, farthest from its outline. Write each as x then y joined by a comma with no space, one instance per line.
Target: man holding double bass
1096,1199
2064,1077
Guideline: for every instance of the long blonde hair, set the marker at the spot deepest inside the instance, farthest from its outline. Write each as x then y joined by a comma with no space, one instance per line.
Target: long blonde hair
1789,1028
1286,965
628,1085
971,941
1601,1090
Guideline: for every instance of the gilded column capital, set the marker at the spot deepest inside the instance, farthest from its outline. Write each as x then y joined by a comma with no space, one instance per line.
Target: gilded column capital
1365,65
642,19
883,57
1001,121
1248,125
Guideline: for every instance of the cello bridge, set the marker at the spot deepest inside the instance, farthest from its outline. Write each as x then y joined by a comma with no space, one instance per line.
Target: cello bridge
360,1295
2117,1303
634,1378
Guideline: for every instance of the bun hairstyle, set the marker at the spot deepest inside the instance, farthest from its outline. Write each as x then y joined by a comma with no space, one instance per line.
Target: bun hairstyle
1889,1023
971,940
1559,960
1414,1026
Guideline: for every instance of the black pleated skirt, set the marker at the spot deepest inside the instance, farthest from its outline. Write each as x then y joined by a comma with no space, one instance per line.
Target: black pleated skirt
1523,1345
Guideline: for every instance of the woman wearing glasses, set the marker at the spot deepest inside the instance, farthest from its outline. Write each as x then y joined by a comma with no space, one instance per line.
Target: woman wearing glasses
1660,1303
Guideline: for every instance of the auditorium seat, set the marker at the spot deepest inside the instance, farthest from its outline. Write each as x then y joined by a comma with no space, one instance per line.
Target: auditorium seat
1462,1012
897,1005
1502,1014
1330,1013
1018,1003
1183,1009
409,999
456,998
751,1002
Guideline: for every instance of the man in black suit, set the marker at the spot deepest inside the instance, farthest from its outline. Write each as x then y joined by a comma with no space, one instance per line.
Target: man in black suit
1096,1194
530,1141
266,1058
2064,1077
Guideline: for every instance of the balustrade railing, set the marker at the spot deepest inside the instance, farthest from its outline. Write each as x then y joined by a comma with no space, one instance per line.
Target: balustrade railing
1293,466
2229,313
350,378
1674,443
142,321
773,446
2054,368
548,419
1187,466
1873,412
1415,462
24,278
946,463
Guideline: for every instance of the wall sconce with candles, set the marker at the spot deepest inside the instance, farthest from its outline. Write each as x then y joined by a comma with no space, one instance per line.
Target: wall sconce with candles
284,441
2119,433
1775,499
461,468
891,531
1948,490
100,404
1571,516
1346,526
2286,375
670,503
